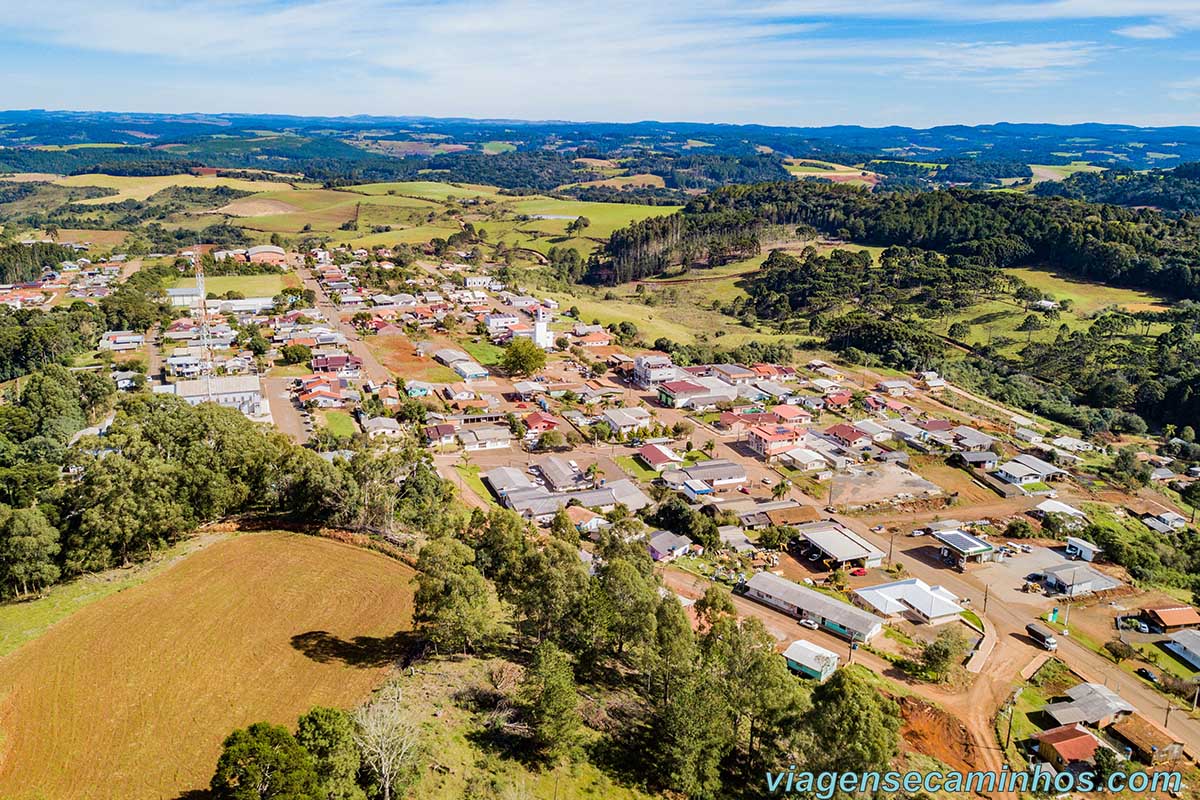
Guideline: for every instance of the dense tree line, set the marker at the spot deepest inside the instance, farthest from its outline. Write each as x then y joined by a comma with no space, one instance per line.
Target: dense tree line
708,170
32,338
987,171
1114,245
106,160
21,263
1174,190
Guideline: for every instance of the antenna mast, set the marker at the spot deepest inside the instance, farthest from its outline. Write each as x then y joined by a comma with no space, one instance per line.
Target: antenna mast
205,345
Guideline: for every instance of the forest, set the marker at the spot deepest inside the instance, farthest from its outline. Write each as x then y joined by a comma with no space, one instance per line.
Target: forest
1138,248
1172,190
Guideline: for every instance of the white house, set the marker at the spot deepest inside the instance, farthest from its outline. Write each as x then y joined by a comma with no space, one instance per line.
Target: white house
624,421
810,660
911,598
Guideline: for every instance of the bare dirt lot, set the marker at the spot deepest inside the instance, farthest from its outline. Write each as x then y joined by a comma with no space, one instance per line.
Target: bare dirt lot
131,697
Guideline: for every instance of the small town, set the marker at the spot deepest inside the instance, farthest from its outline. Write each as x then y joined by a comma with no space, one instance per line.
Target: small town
660,401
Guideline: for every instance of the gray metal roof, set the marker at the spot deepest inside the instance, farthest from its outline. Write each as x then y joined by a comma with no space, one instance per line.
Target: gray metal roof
815,603
1090,702
964,543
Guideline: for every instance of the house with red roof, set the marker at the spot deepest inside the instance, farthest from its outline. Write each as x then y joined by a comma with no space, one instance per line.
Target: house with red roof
848,435
1067,746
838,400
540,422
675,394
786,414
772,441
657,457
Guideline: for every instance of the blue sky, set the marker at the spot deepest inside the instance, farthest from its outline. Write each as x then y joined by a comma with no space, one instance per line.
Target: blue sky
797,62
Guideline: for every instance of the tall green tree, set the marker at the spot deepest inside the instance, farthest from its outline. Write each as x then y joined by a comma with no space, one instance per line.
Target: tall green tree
28,547
522,357
850,727
551,702
264,762
454,607
328,736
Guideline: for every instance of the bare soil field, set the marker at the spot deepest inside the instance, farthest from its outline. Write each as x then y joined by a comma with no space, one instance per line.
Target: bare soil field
256,207
132,696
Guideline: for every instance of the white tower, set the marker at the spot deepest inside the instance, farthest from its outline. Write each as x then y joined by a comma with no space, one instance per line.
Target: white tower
543,337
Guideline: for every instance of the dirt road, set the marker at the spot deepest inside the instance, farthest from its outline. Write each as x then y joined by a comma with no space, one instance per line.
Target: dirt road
374,370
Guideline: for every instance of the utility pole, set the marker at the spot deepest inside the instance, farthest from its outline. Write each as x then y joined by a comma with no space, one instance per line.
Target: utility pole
891,545
986,589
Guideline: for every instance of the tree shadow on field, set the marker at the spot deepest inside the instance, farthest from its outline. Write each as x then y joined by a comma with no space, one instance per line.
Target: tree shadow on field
194,794
362,651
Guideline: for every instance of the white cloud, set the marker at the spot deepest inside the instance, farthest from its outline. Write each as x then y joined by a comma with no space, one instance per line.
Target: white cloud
1150,31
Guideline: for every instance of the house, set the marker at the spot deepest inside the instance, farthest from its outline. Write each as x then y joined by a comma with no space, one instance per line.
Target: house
503,480
448,356
982,459
541,504
1186,645
594,339
791,415
804,460
626,421
932,381
1165,521
1170,619
734,374
840,546
1067,747
243,392
540,422
382,426
658,457
1047,507
801,602
676,394
1081,549
696,490
587,521
485,437
810,660
560,476
876,432
649,370
772,441
971,440
719,473
1072,445
1028,435
469,371
1090,703
848,436
667,546
1147,742
120,341
913,599
1074,579
959,548
1026,469
895,388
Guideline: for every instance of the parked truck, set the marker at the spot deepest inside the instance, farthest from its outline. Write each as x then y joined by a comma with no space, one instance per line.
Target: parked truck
1042,635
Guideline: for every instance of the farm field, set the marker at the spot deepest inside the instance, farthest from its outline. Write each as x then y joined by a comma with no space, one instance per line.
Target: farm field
249,285
139,188
1056,172
102,239
838,173
429,190
257,627
1088,297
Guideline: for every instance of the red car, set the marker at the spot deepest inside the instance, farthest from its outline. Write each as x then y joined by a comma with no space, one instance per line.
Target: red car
743,490
858,572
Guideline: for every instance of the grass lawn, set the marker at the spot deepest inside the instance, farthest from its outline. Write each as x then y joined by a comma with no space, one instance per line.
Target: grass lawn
469,474
1086,296
493,148
636,468
340,424
249,285
1165,660
485,353
132,695
971,617
428,190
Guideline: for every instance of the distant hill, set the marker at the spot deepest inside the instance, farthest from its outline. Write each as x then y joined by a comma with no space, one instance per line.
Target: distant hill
1172,190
